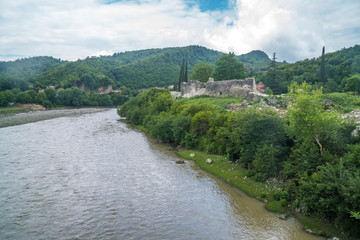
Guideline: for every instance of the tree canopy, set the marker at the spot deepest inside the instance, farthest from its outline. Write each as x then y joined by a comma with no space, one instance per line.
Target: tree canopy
202,71
227,67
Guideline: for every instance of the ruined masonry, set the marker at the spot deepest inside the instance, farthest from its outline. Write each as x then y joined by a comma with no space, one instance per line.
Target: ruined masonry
238,88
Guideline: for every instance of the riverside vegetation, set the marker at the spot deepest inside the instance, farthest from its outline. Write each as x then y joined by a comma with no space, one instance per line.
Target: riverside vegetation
312,151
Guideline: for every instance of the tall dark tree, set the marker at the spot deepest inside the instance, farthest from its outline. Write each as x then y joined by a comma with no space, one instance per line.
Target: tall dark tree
322,68
181,75
273,83
273,62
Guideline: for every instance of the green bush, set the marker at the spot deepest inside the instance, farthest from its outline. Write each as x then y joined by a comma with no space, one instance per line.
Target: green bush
260,177
281,194
283,202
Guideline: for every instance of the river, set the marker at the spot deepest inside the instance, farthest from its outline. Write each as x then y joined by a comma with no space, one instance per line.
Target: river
90,176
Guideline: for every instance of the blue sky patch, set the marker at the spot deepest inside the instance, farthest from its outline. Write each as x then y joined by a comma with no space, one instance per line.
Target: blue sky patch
205,5
214,5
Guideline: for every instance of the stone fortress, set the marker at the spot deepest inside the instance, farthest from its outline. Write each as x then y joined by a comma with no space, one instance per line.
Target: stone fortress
245,88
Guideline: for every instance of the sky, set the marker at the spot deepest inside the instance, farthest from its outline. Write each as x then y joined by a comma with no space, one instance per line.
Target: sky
75,29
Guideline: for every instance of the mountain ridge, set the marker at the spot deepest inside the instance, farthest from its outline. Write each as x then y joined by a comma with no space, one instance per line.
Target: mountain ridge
133,69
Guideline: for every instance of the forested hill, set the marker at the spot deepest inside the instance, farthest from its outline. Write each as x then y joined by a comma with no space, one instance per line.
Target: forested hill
133,69
339,67
24,72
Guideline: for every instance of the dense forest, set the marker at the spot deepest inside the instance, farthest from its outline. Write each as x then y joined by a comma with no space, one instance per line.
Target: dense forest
25,73
134,69
312,150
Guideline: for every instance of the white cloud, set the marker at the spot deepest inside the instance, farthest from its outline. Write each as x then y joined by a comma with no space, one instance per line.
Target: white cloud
76,29
71,29
294,29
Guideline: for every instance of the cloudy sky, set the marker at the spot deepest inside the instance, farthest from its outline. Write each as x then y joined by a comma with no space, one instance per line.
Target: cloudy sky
75,29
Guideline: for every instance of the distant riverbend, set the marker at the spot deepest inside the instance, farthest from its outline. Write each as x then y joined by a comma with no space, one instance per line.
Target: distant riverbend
89,176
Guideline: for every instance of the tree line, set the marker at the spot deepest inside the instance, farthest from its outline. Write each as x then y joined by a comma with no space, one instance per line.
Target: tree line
314,151
73,96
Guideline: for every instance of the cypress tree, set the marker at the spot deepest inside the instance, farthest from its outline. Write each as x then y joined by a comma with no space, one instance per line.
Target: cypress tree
273,84
181,77
273,62
322,67
186,73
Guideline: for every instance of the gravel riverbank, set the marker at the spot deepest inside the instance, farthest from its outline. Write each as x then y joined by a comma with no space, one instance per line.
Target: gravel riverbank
34,116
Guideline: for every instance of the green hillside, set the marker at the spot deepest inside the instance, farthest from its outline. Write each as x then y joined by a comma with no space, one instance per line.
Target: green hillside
133,69
255,59
23,73
160,68
339,67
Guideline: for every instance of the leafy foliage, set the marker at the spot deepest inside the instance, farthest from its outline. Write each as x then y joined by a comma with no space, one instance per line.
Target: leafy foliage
352,83
338,67
309,122
228,67
202,71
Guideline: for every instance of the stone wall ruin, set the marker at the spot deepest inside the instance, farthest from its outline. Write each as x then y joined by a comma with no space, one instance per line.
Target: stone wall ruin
245,88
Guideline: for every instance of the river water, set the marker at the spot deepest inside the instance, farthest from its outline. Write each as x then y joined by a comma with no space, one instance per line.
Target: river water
90,176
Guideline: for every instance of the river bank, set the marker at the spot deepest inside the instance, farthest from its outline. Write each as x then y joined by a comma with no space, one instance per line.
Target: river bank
236,176
29,116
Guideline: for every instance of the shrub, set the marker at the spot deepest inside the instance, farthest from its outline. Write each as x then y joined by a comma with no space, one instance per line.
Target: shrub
283,202
281,195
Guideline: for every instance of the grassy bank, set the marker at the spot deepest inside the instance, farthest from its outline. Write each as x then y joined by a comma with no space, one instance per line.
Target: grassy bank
237,176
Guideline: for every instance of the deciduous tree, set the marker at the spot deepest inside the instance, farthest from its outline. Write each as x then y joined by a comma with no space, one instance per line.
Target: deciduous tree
202,71
228,67
353,84
309,122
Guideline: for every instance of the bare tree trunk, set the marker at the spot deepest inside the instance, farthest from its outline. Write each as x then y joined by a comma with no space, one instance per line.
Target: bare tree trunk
318,142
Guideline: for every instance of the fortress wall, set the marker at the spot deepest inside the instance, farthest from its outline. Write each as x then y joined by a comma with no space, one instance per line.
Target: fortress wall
238,88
